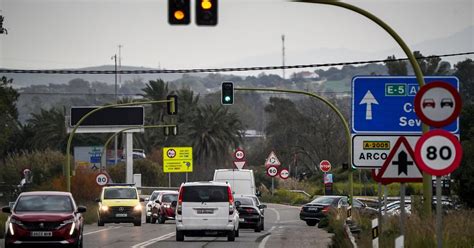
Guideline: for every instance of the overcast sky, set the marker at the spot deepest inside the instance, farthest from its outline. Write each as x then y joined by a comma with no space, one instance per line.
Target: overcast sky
78,33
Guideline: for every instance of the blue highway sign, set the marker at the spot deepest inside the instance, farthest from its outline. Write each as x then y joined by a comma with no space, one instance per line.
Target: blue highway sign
385,104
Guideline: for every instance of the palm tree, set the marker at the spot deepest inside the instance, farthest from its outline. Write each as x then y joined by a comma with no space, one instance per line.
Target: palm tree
156,90
213,132
49,129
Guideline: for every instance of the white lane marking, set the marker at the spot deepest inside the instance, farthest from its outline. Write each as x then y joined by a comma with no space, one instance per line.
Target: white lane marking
264,241
102,230
289,221
151,241
278,214
287,206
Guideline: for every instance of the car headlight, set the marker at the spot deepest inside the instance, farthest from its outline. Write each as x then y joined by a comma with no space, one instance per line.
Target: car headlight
166,205
137,207
104,208
10,227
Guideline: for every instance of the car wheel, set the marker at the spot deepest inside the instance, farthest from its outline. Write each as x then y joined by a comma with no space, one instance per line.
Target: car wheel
263,225
137,222
148,219
80,241
311,222
231,236
161,219
237,233
100,222
179,235
258,227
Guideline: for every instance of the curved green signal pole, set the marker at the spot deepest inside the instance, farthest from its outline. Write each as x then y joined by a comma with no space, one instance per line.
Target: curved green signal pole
71,135
126,129
416,68
339,114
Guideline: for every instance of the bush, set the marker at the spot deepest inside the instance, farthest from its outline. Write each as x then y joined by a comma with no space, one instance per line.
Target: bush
152,173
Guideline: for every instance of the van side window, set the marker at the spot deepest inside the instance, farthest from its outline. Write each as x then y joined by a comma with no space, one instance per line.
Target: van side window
205,194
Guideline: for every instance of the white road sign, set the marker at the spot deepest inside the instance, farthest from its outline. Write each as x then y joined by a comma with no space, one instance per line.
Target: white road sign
438,152
272,160
239,164
272,171
239,154
101,179
371,151
284,173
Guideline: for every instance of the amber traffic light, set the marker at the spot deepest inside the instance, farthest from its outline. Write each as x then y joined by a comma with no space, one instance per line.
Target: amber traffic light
206,12
179,12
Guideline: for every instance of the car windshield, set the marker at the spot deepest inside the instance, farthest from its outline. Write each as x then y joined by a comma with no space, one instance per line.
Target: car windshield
170,198
44,203
205,194
154,195
323,200
245,201
120,193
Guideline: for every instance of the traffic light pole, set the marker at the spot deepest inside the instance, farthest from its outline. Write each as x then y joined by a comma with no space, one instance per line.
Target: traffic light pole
103,161
71,135
339,114
427,180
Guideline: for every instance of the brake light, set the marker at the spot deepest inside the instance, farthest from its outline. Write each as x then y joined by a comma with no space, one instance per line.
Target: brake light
250,210
179,207
325,210
231,200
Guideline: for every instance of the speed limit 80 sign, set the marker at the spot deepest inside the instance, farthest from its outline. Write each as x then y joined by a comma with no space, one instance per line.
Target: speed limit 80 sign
101,179
438,152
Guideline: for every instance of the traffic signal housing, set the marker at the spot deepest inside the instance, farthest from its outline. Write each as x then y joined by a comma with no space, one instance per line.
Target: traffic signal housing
206,12
172,106
227,93
179,12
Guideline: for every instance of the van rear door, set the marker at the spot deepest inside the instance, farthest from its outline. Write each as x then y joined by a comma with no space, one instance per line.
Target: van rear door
205,207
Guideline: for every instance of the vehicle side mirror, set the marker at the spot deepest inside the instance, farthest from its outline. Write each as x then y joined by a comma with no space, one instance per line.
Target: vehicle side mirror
142,200
81,209
157,201
97,200
237,204
174,204
147,199
262,206
258,193
7,210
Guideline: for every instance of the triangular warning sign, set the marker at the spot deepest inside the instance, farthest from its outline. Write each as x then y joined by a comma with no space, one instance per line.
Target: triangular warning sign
239,164
272,160
400,165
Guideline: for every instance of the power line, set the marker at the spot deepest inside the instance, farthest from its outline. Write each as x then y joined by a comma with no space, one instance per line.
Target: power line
141,95
227,69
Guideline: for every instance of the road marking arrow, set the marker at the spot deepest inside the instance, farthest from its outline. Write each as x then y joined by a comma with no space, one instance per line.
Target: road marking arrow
368,99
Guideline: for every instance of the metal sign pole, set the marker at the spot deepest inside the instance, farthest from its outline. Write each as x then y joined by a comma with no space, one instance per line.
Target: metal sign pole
186,177
324,185
439,231
385,195
380,203
402,209
273,185
169,180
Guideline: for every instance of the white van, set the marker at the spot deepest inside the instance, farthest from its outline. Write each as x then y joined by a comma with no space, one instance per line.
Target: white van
242,182
206,209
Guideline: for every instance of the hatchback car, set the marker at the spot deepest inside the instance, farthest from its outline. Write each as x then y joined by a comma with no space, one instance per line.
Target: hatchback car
119,203
150,204
165,207
44,218
318,209
206,209
250,214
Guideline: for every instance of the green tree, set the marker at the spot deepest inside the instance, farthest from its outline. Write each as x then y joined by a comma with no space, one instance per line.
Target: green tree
430,66
49,129
396,68
8,114
213,133
465,73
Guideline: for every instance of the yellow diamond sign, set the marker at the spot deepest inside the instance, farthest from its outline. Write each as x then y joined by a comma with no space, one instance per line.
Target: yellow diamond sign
177,159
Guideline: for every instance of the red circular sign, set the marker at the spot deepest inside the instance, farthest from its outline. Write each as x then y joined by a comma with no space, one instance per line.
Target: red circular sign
239,154
284,173
101,179
438,104
325,166
438,152
272,171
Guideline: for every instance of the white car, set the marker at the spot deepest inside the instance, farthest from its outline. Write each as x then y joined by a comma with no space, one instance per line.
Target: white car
206,209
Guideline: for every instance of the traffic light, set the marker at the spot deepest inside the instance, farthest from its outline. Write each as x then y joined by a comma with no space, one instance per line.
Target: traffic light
227,93
172,106
179,12
206,12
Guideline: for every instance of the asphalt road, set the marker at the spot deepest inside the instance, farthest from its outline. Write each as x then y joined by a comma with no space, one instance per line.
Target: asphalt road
282,229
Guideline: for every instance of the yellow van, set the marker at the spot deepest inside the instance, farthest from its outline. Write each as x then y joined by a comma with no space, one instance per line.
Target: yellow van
119,203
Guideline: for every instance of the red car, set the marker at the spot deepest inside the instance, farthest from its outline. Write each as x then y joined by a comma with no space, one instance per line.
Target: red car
165,207
45,219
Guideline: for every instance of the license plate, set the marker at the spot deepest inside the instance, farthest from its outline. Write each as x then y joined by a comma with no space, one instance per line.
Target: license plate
120,215
205,211
312,209
241,219
41,234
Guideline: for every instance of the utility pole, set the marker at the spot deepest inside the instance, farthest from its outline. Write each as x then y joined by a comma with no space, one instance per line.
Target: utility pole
283,53
116,101
120,63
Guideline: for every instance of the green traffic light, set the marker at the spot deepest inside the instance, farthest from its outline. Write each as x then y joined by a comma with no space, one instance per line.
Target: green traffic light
227,98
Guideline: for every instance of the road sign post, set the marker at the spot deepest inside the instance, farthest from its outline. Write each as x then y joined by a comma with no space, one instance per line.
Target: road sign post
101,179
239,155
325,166
272,171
